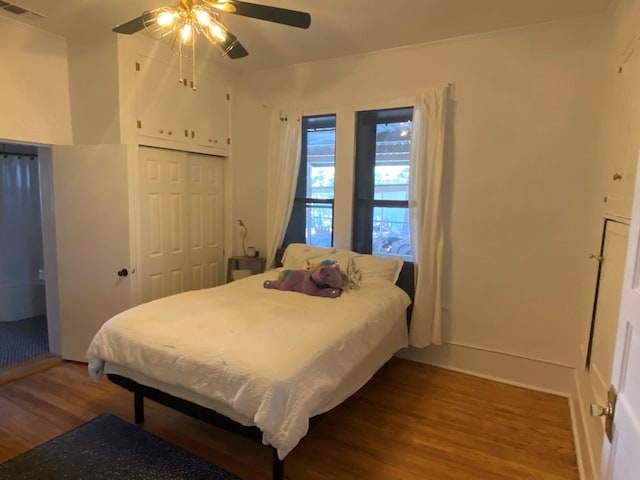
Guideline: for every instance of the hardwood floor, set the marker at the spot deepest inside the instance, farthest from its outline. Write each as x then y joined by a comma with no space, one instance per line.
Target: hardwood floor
410,422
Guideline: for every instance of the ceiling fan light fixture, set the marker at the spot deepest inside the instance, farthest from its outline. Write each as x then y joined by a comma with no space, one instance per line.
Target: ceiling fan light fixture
218,31
186,34
162,22
203,17
167,18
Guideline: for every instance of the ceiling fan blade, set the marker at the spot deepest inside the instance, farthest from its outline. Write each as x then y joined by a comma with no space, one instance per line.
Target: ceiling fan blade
135,25
232,47
293,18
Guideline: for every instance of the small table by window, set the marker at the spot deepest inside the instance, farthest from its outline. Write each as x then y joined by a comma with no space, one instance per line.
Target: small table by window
251,266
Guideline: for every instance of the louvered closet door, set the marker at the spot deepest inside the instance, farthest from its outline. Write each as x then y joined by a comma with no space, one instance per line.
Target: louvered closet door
205,221
163,228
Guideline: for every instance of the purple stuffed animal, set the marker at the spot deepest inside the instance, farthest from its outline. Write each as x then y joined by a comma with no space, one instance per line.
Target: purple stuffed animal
322,281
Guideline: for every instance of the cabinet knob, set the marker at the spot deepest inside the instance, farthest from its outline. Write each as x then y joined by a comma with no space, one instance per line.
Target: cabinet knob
617,176
123,273
169,132
161,130
593,256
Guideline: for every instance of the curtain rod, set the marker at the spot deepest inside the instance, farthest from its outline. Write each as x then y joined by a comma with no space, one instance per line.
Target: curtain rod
19,154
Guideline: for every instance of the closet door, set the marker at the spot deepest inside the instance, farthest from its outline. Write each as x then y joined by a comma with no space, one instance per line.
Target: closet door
163,226
205,221
181,221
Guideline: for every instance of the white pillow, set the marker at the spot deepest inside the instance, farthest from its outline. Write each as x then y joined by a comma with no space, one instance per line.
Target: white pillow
296,254
375,268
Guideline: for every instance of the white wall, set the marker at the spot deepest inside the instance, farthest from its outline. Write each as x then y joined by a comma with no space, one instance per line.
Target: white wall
34,85
520,183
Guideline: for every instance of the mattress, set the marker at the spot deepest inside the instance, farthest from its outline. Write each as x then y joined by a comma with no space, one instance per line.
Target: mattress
262,357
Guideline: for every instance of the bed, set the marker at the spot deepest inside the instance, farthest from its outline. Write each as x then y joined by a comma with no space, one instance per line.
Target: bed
263,363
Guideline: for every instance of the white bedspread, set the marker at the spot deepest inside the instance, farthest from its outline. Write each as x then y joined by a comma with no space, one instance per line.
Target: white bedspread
274,357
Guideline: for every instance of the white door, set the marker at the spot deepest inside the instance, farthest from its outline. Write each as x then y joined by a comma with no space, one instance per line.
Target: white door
621,458
603,331
206,256
91,209
181,222
163,188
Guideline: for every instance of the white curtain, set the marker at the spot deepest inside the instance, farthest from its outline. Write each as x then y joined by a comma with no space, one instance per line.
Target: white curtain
283,165
426,164
20,228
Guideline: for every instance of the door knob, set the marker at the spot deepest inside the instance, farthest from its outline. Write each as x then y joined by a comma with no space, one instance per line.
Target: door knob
123,273
607,412
600,411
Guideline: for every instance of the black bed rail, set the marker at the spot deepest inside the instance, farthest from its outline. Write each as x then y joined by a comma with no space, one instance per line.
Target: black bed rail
199,412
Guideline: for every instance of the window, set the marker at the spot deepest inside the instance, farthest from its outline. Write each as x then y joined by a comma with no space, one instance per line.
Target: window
381,190
312,215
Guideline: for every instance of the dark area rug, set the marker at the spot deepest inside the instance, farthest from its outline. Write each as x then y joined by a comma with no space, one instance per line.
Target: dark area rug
22,340
108,447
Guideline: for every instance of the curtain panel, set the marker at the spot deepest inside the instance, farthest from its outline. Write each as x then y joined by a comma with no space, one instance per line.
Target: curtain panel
425,180
285,143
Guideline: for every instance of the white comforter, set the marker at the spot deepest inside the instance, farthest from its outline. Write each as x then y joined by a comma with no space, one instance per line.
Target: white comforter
274,357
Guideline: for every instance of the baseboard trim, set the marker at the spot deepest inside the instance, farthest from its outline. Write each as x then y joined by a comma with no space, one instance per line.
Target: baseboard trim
586,467
513,369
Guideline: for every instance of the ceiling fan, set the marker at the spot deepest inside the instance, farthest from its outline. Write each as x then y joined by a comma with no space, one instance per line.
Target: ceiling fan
182,21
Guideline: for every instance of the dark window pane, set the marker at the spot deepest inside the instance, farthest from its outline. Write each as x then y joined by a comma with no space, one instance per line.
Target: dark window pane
381,194
392,151
312,216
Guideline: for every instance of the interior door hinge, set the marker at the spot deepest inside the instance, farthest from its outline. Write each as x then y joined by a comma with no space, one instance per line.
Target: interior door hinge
228,141
137,66
139,123
228,96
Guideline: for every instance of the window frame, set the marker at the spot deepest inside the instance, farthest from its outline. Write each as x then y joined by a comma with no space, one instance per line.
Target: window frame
364,201
296,229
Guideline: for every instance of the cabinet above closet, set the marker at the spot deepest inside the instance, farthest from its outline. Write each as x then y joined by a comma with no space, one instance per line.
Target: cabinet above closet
175,110
624,135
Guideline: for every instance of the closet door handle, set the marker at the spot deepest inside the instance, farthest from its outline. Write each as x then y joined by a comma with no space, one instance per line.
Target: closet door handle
123,273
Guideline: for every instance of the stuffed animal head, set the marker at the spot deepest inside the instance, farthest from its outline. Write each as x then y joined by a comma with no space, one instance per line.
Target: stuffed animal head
326,273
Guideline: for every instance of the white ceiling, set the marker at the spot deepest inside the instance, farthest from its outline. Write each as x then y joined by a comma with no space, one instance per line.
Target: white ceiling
338,27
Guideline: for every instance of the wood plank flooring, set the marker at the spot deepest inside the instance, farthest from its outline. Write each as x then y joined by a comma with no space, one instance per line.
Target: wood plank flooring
410,422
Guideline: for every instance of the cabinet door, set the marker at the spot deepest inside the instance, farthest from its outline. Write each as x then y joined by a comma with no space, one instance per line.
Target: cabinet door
624,149
159,99
212,103
172,114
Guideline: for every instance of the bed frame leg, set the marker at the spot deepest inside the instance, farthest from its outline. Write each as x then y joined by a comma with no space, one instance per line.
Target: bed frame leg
138,407
278,466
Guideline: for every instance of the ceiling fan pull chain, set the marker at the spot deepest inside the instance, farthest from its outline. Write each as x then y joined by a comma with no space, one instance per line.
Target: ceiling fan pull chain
193,63
180,61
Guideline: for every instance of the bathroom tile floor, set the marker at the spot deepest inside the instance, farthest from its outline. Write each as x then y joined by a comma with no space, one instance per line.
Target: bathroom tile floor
22,340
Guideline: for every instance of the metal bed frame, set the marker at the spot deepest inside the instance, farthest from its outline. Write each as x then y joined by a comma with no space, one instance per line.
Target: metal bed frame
140,392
